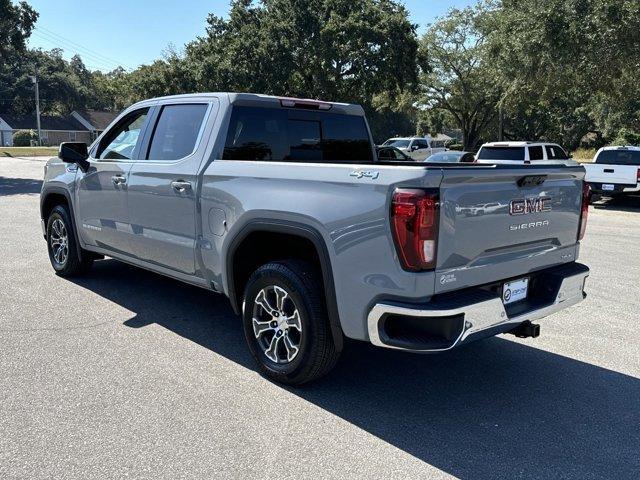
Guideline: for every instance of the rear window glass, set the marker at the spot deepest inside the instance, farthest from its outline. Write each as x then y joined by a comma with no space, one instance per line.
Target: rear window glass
554,152
619,157
501,153
275,134
445,157
535,153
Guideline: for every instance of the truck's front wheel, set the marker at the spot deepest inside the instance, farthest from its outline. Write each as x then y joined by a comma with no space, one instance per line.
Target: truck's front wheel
286,323
61,243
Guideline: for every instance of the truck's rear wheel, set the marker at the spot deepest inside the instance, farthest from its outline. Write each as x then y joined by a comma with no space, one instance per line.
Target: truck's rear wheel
286,324
61,244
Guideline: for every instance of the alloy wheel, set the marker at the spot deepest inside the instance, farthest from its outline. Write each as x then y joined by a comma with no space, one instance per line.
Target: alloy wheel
276,324
59,241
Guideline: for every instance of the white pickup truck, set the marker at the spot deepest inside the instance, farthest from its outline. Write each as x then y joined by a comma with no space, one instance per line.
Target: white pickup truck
418,148
614,171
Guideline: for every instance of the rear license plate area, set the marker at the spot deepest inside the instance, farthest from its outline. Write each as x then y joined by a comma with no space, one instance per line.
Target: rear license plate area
515,290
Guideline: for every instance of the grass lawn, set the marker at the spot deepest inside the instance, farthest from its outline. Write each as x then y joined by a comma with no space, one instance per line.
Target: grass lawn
28,151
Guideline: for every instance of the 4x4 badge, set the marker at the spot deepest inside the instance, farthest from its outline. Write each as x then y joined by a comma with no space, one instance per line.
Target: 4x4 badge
362,174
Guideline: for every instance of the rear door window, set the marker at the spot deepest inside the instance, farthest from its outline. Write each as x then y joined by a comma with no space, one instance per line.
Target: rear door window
535,153
619,157
275,134
176,131
554,152
501,153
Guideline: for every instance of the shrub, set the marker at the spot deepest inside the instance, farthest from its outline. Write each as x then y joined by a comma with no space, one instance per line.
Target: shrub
584,154
455,146
22,138
626,137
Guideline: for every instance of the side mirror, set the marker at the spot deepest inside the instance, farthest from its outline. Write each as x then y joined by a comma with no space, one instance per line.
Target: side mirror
414,147
74,152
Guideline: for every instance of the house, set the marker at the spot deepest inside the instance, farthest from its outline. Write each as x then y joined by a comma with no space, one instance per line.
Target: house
55,129
96,121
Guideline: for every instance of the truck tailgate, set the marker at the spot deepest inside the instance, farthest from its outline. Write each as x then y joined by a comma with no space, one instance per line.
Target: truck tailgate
504,222
613,174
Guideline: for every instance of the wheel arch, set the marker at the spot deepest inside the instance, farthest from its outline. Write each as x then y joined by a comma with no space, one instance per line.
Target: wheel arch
52,196
293,230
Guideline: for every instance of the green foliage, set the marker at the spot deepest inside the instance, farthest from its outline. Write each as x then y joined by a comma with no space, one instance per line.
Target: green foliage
560,70
22,138
626,137
566,67
457,78
455,146
361,51
16,22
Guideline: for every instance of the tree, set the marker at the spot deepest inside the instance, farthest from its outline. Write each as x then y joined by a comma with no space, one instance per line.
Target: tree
568,65
16,23
456,77
350,51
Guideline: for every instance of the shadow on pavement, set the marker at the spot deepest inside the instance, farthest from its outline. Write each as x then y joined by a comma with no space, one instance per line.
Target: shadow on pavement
496,409
17,186
623,203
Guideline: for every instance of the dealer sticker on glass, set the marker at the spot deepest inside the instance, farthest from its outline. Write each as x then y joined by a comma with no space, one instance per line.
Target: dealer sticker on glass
515,291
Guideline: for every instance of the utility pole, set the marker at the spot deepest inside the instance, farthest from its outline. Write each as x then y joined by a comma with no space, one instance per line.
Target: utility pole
500,121
34,79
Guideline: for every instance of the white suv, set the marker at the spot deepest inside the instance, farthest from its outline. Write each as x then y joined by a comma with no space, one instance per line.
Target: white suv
523,153
418,148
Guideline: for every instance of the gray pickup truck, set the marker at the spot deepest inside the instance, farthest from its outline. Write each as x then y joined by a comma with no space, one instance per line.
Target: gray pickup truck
281,205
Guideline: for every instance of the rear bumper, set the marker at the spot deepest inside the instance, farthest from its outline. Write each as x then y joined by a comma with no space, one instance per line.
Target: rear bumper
596,187
452,319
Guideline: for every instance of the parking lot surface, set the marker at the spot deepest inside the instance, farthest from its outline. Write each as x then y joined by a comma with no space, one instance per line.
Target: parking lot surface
127,373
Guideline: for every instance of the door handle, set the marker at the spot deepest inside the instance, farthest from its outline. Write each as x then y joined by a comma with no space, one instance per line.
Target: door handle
181,186
608,170
118,180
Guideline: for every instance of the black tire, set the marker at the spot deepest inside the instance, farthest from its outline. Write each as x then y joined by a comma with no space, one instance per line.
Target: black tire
317,353
59,226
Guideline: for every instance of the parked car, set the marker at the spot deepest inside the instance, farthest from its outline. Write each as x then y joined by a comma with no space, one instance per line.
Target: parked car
615,170
523,153
451,156
281,205
392,154
418,148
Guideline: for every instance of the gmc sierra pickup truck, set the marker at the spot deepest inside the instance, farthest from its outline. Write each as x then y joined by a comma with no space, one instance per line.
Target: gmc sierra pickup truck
281,205
614,171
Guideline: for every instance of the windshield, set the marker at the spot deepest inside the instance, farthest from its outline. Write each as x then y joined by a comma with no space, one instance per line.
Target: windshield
619,157
396,142
501,153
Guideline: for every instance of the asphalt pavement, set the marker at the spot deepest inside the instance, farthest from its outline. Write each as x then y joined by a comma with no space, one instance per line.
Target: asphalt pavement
125,373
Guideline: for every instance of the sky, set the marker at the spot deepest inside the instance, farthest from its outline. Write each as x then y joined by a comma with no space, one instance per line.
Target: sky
135,32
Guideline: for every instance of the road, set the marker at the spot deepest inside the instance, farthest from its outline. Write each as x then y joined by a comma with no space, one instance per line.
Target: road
127,373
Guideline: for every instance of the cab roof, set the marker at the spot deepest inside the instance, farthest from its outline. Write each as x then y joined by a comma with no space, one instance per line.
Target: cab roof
257,99
517,144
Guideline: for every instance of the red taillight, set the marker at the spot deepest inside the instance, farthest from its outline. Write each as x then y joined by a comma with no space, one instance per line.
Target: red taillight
584,211
638,176
414,221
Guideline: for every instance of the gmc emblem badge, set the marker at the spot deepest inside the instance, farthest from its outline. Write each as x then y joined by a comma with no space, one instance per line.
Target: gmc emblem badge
523,206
